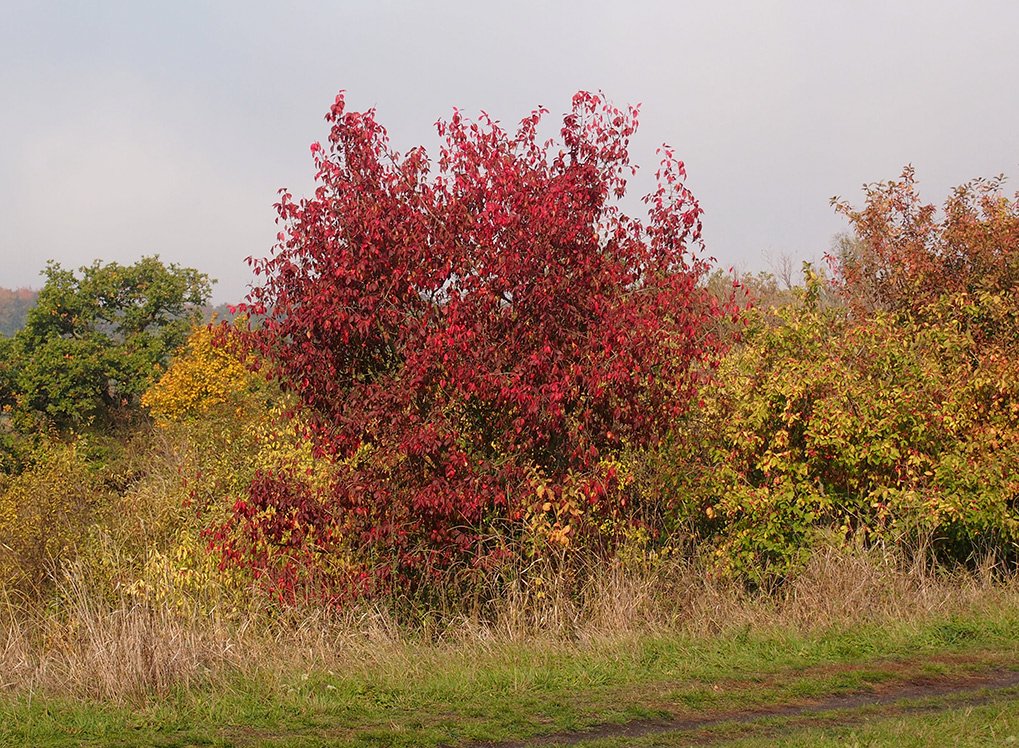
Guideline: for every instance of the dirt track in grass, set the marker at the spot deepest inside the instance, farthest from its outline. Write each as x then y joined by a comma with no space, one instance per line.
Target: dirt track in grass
908,690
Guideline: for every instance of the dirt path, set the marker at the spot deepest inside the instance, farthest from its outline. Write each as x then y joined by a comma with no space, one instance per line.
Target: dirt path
913,695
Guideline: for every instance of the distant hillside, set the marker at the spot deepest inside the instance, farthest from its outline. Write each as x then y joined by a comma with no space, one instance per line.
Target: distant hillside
14,306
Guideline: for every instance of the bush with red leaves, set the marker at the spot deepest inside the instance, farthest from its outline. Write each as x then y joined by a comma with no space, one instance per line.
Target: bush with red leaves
473,338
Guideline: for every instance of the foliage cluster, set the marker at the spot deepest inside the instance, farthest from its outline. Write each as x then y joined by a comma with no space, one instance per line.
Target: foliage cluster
206,377
892,417
94,343
231,429
475,348
44,511
71,380
908,256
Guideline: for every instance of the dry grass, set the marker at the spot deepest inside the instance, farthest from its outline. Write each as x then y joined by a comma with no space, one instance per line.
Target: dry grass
90,648
839,587
84,645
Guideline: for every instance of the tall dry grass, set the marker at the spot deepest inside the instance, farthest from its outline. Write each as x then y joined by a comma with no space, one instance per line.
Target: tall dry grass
92,645
89,647
839,587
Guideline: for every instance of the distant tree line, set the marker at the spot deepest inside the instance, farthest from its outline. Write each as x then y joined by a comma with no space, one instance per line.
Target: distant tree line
14,306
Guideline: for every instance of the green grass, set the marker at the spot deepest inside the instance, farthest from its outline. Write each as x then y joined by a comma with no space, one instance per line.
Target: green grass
431,696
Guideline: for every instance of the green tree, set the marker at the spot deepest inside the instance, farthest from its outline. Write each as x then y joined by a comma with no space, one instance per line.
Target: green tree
97,339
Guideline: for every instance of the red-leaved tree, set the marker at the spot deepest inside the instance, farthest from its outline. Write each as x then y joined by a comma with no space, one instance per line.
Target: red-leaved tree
474,339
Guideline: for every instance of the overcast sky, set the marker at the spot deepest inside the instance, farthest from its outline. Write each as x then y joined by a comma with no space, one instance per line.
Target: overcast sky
134,128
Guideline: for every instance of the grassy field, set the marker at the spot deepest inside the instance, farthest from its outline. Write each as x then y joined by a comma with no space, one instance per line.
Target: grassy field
912,684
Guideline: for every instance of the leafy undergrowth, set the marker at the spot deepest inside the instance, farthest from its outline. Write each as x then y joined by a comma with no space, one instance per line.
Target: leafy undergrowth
503,691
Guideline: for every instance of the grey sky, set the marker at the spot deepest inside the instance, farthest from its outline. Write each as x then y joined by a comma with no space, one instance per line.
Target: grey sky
131,128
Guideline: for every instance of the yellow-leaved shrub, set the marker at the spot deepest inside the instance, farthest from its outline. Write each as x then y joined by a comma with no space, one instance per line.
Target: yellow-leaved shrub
222,424
206,376
44,513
